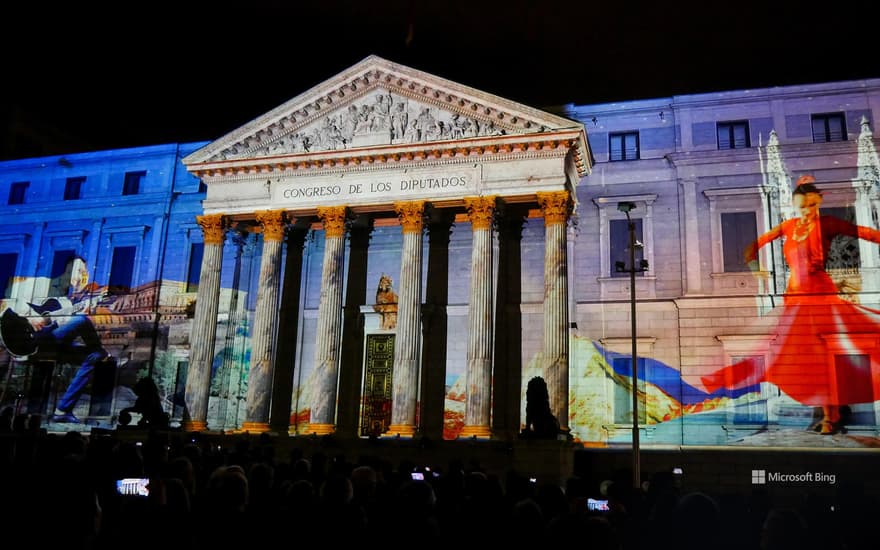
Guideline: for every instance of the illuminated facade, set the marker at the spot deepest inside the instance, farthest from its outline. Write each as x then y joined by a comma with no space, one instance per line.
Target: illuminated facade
393,253
709,174
130,215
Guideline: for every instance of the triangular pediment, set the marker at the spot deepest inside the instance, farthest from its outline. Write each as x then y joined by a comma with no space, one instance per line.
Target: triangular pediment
378,103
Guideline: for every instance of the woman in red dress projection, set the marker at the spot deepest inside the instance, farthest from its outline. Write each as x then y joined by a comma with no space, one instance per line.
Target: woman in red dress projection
824,341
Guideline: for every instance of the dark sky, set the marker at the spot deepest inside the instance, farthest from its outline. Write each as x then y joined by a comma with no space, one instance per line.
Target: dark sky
79,79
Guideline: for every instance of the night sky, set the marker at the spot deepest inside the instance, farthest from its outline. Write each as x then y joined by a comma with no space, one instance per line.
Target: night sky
81,79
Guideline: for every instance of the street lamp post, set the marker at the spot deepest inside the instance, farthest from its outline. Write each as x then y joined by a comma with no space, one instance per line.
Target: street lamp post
626,207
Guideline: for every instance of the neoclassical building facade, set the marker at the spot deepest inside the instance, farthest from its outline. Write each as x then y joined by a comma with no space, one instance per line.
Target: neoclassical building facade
382,146
393,254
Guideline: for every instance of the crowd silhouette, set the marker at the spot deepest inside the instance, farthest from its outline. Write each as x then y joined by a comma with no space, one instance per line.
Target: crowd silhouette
61,490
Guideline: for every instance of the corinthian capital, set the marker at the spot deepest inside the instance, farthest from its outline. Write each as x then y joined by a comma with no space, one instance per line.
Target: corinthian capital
411,215
273,224
213,226
333,218
555,206
480,211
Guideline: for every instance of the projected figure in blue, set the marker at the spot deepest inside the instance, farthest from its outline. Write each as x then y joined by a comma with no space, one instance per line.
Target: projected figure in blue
62,330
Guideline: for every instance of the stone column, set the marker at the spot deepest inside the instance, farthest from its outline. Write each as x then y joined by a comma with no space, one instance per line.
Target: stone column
323,407
288,325
556,206
228,370
351,350
262,364
204,328
480,329
435,325
407,343
508,361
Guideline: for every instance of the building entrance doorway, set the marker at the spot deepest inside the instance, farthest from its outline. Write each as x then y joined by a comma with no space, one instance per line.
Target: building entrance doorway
376,410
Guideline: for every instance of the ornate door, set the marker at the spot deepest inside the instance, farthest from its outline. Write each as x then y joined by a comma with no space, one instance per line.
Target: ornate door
376,402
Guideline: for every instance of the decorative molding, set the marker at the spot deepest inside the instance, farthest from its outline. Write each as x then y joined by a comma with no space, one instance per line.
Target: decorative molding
194,425
411,214
273,224
555,205
254,427
333,218
477,432
501,148
480,211
214,227
320,429
403,430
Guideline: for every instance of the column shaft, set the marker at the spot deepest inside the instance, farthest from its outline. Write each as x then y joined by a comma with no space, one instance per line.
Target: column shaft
407,343
323,407
204,331
262,364
435,327
351,350
555,206
480,321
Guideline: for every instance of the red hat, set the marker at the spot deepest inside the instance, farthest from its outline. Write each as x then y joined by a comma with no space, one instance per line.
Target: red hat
805,179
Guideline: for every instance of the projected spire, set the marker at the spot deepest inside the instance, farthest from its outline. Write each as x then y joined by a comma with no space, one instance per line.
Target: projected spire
778,179
869,162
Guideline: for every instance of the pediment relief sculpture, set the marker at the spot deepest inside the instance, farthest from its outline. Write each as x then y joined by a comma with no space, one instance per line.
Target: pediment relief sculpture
380,118
380,104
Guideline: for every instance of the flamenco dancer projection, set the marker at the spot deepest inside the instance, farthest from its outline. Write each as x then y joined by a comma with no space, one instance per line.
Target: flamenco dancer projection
63,330
812,316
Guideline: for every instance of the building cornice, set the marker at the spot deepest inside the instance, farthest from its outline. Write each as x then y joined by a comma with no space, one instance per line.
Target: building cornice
557,143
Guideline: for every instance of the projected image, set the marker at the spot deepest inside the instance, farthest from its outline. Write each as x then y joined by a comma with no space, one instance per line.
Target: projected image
56,344
74,350
800,373
823,345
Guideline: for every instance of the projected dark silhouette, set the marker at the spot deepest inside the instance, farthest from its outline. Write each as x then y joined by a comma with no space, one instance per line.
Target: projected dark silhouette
540,422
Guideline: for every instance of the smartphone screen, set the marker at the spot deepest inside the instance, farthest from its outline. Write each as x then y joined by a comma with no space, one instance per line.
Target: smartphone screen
418,475
597,505
133,486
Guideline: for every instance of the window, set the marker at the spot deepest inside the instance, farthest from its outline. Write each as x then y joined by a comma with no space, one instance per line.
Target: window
122,269
829,127
623,394
132,183
752,410
8,262
624,146
59,277
733,135
752,407
17,192
738,230
620,246
844,251
614,245
73,188
854,370
196,252
737,215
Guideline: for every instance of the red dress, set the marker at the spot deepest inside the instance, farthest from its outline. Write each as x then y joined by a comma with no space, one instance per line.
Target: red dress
822,350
